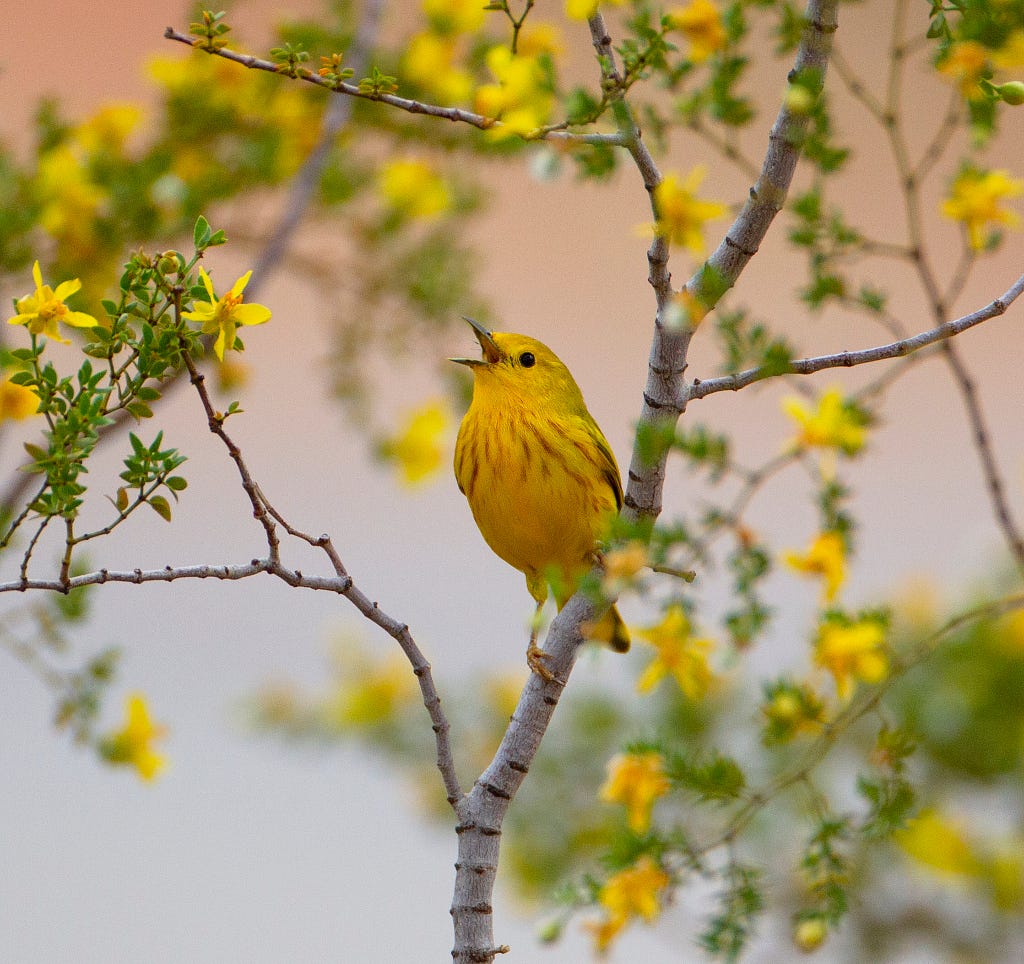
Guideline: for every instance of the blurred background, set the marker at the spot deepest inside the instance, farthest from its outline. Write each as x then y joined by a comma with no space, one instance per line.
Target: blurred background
253,848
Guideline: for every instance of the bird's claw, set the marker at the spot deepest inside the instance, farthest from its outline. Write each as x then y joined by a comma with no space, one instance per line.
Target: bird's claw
535,656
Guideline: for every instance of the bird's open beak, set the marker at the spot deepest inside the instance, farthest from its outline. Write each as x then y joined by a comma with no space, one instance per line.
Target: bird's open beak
490,350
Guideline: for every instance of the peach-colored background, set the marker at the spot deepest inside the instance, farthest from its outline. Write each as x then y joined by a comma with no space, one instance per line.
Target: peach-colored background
250,851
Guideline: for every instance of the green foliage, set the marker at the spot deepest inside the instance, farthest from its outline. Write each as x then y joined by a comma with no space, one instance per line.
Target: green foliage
740,903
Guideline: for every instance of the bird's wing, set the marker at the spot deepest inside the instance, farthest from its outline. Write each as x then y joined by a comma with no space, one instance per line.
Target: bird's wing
609,467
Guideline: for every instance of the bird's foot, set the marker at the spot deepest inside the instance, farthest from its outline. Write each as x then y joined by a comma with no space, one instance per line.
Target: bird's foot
535,656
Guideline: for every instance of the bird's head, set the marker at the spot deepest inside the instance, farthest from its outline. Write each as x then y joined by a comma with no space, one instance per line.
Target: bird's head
517,365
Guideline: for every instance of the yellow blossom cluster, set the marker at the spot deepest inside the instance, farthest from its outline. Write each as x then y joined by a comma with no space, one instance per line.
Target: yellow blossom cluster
636,780
371,694
677,654
834,423
418,448
585,9
945,847
975,201
635,892
852,652
681,215
700,22
967,61
520,96
412,188
132,745
17,402
826,558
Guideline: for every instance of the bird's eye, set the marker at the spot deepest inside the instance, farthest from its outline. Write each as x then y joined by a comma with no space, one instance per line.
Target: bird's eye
527,360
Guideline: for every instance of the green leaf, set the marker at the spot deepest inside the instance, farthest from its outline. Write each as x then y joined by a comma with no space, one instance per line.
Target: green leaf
161,506
201,233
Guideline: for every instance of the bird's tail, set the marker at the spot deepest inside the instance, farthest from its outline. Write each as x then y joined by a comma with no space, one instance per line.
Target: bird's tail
610,630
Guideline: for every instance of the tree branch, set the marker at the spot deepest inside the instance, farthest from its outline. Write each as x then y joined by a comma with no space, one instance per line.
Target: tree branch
847,359
454,114
484,809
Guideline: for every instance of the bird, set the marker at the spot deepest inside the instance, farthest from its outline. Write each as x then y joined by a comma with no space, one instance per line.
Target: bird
539,475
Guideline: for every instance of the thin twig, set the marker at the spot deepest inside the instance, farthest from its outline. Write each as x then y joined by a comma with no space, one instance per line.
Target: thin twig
454,114
847,359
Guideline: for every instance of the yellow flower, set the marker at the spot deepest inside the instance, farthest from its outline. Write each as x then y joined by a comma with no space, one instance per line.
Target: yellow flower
16,401
585,9
224,315
44,309
70,199
678,653
539,38
231,375
636,780
825,557
681,214
633,892
939,843
622,565
965,62
132,745
108,129
429,62
851,653
974,201
418,448
836,422
791,709
701,23
413,188
519,98
454,16
1011,54
375,694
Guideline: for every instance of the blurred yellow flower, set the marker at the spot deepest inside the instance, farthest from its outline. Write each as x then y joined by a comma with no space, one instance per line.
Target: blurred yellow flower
519,98
539,38
70,199
373,694
223,315
825,557
43,310
701,23
1011,54
965,63
939,843
835,423
16,401
106,131
792,709
681,214
633,892
231,374
974,200
678,654
454,16
851,653
622,565
413,188
430,63
636,780
132,745
418,448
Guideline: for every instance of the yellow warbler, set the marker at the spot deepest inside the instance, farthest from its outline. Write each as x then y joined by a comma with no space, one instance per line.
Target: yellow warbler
538,473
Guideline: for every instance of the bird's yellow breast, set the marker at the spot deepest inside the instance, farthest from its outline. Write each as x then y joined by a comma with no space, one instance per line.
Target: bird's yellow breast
539,486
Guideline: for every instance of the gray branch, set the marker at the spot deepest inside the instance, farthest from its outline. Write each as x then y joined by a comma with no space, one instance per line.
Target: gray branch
483,811
847,359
